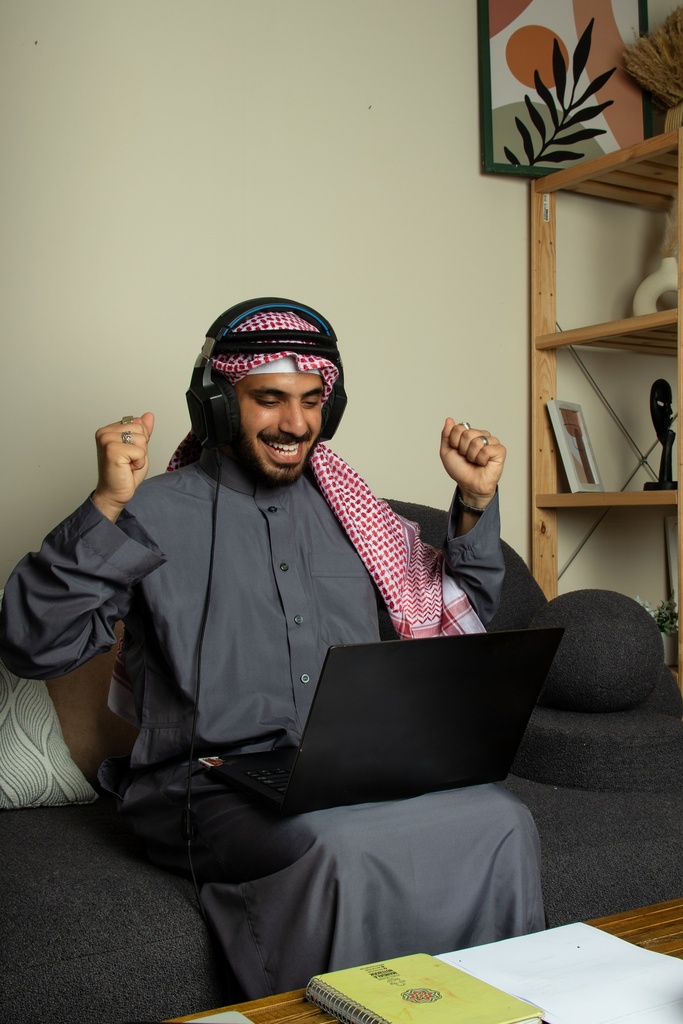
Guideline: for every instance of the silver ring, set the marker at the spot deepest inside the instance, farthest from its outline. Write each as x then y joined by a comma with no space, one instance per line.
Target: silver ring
485,440
127,419
126,437
465,424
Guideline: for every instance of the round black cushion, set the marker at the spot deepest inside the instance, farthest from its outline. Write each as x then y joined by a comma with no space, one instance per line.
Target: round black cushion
610,656
621,750
666,698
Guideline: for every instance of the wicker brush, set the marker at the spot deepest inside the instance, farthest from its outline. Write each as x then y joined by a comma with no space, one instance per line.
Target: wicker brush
656,63
670,241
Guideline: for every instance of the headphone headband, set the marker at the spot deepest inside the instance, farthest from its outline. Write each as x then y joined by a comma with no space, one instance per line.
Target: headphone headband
238,314
271,341
214,410
223,336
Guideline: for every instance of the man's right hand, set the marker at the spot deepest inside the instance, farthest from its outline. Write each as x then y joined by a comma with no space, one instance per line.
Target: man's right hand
122,464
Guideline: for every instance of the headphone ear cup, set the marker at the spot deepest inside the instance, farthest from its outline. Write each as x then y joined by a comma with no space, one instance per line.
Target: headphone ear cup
333,410
230,413
214,409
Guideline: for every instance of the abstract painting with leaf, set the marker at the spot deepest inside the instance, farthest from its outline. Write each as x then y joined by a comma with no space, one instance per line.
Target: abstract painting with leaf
553,87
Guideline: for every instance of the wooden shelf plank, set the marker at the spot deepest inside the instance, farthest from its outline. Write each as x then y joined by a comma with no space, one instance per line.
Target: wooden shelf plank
660,179
602,189
654,333
606,499
658,154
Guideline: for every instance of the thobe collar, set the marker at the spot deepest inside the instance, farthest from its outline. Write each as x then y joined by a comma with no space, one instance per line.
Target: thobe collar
234,476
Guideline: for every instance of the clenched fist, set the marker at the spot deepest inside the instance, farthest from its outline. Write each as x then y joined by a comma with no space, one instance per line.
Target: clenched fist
474,458
122,462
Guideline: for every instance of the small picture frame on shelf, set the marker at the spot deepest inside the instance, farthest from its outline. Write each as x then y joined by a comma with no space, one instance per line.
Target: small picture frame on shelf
574,446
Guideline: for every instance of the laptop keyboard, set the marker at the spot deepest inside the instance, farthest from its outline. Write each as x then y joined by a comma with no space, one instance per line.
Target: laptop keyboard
276,778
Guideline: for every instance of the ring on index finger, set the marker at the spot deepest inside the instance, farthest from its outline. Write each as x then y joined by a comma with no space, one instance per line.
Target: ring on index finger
485,440
126,437
465,424
127,419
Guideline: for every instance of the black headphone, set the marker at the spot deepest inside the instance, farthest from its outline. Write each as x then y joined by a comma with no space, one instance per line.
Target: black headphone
211,399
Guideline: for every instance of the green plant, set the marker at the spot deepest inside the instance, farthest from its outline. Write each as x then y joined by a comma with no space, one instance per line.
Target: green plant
665,614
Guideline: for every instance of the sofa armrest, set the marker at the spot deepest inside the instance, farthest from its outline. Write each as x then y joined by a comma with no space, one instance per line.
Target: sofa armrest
91,731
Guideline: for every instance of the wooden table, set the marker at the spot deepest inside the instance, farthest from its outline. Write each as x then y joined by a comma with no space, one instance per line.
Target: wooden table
658,927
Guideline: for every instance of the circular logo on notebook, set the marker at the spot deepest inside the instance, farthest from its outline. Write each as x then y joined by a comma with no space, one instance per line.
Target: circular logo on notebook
420,995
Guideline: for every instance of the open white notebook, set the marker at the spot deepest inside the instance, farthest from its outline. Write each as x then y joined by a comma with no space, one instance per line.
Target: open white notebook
581,974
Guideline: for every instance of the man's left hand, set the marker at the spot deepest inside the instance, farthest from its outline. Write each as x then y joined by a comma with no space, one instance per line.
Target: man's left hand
474,459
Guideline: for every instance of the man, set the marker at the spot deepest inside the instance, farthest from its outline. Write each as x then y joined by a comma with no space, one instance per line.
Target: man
233,574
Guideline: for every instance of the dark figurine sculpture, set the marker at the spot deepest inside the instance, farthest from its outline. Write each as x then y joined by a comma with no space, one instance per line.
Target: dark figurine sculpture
662,418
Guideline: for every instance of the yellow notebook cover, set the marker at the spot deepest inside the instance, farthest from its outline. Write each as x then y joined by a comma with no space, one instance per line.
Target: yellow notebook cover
417,989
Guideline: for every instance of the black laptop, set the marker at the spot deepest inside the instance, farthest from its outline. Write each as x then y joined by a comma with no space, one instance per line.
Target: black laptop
394,719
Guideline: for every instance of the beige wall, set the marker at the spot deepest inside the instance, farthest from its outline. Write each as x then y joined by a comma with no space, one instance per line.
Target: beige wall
164,159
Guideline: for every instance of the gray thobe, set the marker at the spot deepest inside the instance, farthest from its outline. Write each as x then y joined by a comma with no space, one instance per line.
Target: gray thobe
251,623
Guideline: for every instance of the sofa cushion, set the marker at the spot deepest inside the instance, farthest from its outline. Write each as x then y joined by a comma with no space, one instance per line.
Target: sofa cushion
616,751
611,654
36,767
94,932
521,596
92,732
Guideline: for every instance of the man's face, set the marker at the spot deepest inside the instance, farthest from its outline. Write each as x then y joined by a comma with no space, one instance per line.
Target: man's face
280,422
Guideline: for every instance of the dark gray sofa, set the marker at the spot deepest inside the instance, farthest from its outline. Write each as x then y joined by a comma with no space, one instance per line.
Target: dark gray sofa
93,932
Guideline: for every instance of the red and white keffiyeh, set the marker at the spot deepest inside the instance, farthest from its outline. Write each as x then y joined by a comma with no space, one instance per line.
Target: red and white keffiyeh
421,598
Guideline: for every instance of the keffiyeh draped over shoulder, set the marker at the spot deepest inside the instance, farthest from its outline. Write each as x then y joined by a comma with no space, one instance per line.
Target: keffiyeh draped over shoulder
421,598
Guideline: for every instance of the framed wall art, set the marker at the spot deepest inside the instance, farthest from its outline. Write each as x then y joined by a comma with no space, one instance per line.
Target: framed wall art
573,444
553,87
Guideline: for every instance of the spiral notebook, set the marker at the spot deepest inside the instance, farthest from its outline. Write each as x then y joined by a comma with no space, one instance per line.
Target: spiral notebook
395,719
416,989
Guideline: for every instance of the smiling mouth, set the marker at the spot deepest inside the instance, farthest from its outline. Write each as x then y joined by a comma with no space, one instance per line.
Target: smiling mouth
286,451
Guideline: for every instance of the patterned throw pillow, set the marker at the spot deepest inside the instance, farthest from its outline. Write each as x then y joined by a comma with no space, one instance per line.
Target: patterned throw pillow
36,768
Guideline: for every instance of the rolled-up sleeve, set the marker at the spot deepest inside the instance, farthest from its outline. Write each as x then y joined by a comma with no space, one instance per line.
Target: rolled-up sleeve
475,560
61,603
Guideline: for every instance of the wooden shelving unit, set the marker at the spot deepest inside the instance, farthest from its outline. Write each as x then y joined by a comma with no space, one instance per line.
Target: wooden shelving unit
646,175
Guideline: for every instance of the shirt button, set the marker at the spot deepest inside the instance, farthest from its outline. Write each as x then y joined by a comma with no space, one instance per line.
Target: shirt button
305,679
284,566
272,508
298,619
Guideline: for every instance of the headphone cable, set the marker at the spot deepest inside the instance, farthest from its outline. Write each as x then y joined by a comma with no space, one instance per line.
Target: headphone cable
189,825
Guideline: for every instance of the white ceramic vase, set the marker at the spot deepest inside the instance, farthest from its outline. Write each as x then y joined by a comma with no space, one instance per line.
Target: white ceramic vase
664,279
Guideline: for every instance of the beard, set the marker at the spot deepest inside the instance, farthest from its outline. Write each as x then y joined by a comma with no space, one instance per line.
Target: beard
247,452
